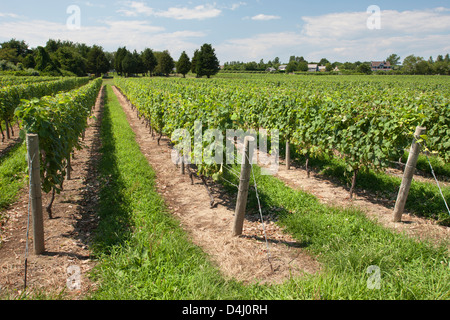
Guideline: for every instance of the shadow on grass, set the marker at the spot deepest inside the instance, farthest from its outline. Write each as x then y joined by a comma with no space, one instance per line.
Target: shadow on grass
114,227
424,198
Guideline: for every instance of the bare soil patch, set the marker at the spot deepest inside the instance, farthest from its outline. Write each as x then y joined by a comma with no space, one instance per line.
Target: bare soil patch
8,144
243,258
67,235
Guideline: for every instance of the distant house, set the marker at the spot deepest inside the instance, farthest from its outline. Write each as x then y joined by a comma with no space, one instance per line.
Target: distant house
336,69
322,68
313,67
282,67
271,69
380,65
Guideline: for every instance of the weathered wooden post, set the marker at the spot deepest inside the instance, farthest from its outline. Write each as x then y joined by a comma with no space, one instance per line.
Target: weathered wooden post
68,169
288,155
408,175
35,192
244,183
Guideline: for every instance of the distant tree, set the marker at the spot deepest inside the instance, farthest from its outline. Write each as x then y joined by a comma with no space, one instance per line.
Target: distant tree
393,59
139,63
183,64
206,63
364,68
303,66
20,48
410,64
262,65
53,45
9,54
194,61
348,66
44,63
29,62
69,59
165,62
323,62
149,60
110,57
423,67
120,54
292,66
329,67
251,66
97,62
129,64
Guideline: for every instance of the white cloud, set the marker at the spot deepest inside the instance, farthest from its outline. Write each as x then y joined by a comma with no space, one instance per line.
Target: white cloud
348,25
136,8
265,46
265,17
346,37
201,12
8,15
235,6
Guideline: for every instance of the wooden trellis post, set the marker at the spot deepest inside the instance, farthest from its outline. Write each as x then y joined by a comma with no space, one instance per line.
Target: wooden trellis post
35,192
244,183
288,155
408,175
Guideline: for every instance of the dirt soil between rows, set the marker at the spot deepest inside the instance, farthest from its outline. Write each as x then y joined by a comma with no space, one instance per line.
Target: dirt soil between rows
244,258
67,235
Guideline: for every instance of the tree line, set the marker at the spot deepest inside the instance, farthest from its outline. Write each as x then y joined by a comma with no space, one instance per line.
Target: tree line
411,65
56,58
65,58
148,62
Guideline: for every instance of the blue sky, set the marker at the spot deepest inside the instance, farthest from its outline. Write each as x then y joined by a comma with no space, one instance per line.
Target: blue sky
239,30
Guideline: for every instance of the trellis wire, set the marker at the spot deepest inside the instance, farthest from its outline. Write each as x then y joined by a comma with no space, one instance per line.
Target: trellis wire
261,215
434,176
28,225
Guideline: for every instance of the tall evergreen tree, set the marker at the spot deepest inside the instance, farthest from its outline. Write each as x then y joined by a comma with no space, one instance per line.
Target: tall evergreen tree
195,58
207,63
97,62
120,54
165,62
183,64
129,64
149,61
